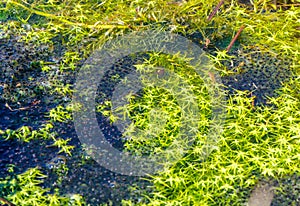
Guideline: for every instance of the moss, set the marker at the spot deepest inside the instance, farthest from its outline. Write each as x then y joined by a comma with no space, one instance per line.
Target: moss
25,189
260,137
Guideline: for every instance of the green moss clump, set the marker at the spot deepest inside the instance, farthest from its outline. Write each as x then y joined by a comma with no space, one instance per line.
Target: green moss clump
25,189
258,144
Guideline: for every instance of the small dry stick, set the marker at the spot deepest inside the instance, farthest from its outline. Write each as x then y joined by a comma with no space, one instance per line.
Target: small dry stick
35,102
22,108
235,38
212,77
296,5
6,202
275,4
215,10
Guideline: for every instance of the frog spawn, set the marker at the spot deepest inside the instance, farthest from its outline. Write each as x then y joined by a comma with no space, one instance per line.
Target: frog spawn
256,71
56,162
21,91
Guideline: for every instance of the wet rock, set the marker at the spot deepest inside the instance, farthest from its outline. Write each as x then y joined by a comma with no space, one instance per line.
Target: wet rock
262,195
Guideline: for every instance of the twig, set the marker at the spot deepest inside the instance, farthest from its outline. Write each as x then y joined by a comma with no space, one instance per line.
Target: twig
13,110
35,102
289,5
215,10
212,77
6,202
275,4
235,38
